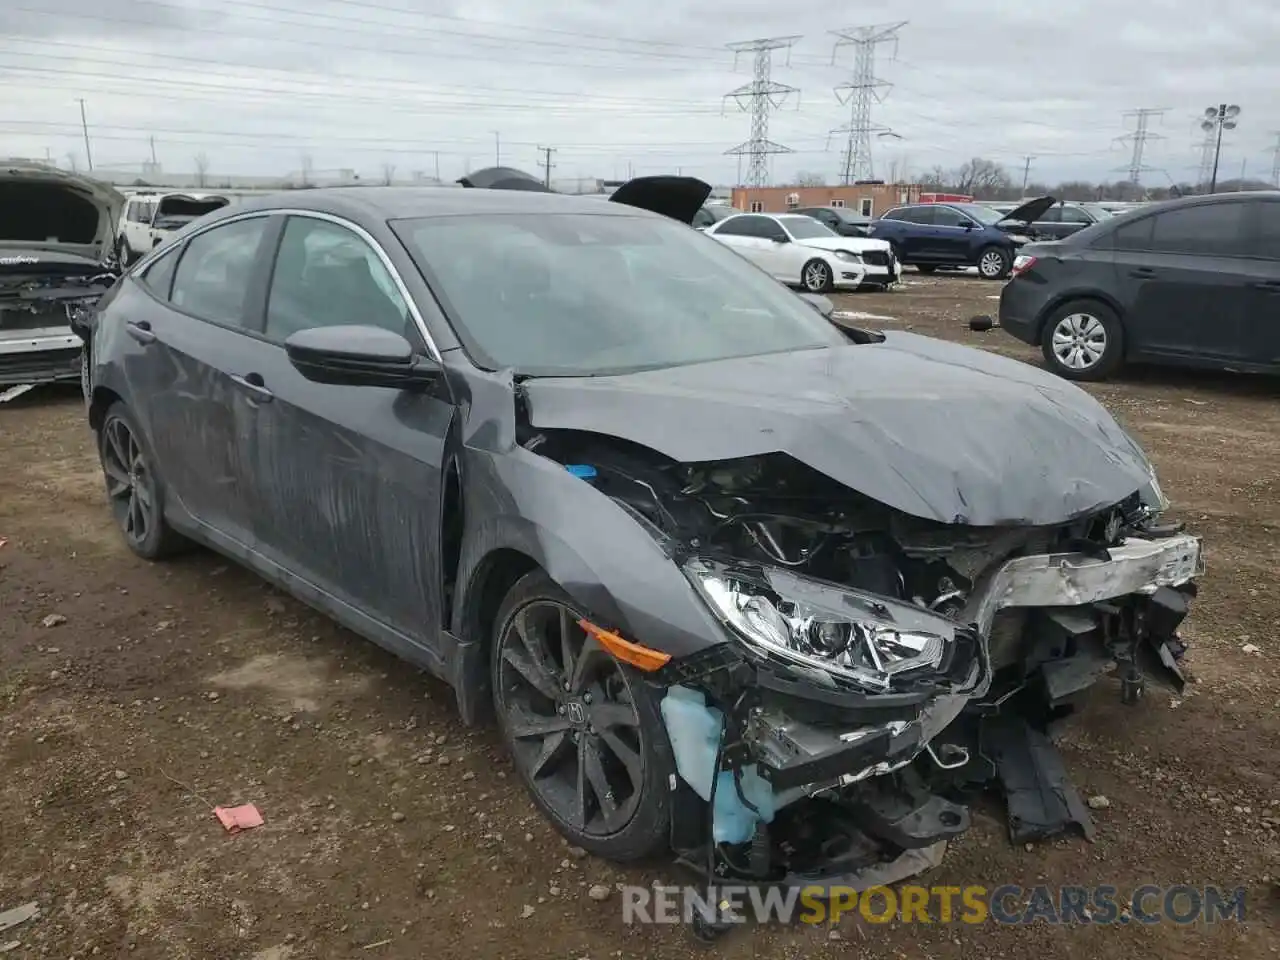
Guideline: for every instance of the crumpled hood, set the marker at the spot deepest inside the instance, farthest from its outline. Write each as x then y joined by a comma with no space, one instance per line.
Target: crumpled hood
931,428
852,244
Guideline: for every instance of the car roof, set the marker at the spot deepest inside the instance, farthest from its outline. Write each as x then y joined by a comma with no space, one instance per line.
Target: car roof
394,203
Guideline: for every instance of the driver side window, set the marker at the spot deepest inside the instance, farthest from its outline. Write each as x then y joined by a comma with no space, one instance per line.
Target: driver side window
326,276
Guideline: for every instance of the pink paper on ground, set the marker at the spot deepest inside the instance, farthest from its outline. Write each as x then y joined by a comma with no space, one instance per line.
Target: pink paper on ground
240,818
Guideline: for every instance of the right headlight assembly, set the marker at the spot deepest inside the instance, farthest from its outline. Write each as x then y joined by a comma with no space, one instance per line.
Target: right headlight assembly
869,640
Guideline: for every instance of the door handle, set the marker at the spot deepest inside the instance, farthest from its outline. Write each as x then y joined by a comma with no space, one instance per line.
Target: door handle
254,385
140,330
1267,286
1139,273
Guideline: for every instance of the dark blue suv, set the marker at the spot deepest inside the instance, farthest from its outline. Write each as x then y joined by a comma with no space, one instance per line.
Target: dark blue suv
933,235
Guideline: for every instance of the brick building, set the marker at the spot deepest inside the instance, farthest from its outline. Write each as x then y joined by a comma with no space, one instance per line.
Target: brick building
869,199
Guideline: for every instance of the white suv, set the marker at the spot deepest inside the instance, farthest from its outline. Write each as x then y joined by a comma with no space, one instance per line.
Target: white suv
151,217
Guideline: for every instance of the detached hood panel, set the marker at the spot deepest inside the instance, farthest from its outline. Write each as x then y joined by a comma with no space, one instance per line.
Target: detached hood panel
930,428
1029,212
677,197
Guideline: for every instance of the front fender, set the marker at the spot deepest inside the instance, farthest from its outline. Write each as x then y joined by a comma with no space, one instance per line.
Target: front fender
586,543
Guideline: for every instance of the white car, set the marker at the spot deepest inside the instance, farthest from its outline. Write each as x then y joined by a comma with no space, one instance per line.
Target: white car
151,217
800,251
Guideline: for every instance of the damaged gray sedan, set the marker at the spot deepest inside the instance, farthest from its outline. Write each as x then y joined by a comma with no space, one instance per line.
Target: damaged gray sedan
737,583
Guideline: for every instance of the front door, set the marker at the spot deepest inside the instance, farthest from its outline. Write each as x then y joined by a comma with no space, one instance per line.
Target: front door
1185,282
349,477
189,341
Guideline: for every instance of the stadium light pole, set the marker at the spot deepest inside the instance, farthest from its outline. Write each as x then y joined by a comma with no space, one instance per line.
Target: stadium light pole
1219,118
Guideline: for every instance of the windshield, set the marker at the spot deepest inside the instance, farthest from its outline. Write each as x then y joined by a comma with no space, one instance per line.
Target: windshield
579,294
805,228
978,212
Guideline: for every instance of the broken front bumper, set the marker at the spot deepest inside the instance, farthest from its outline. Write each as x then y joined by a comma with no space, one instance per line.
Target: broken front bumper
39,355
1137,566
808,759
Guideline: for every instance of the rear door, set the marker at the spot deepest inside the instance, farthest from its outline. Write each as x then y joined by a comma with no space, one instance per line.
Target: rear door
946,241
1260,327
746,235
349,478
1185,280
193,329
912,236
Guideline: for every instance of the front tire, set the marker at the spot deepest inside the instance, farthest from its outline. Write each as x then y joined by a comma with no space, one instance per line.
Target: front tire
994,263
134,488
1083,340
124,253
816,277
584,731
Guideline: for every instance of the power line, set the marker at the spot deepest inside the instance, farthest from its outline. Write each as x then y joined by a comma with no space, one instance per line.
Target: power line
84,126
1139,138
764,95
377,81
859,93
349,26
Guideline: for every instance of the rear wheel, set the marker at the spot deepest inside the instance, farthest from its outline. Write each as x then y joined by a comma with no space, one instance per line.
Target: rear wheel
1083,340
994,263
584,730
134,488
816,277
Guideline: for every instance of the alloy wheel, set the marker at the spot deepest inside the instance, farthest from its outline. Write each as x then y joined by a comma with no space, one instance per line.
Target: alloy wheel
1079,341
130,485
817,276
992,264
571,719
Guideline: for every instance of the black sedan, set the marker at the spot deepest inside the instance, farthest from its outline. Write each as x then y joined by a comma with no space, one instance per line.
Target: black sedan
843,221
1192,282
696,547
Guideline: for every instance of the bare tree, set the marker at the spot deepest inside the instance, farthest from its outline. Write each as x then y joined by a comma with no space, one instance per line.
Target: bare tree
809,178
202,168
388,173
980,177
937,178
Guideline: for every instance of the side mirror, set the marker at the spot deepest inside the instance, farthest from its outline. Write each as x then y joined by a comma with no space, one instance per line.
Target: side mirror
967,224
358,356
780,238
819,303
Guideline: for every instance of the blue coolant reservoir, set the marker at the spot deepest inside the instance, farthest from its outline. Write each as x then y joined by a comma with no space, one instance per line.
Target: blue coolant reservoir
694,731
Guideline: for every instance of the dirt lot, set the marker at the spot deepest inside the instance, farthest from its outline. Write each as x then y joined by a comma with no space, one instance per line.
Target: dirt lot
392,831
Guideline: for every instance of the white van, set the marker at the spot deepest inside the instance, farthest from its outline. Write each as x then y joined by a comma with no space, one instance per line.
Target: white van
150,217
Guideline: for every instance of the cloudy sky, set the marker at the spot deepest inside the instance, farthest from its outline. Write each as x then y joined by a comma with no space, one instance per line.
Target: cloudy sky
625,86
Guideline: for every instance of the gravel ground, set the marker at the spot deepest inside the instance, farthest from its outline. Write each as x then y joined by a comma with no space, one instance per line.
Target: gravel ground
133,697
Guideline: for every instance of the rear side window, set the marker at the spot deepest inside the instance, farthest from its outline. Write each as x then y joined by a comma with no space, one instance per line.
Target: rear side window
158,275
213,276
1210,229
1135,235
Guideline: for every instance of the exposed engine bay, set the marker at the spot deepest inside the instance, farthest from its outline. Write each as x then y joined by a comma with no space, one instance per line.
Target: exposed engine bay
889,667
44,310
